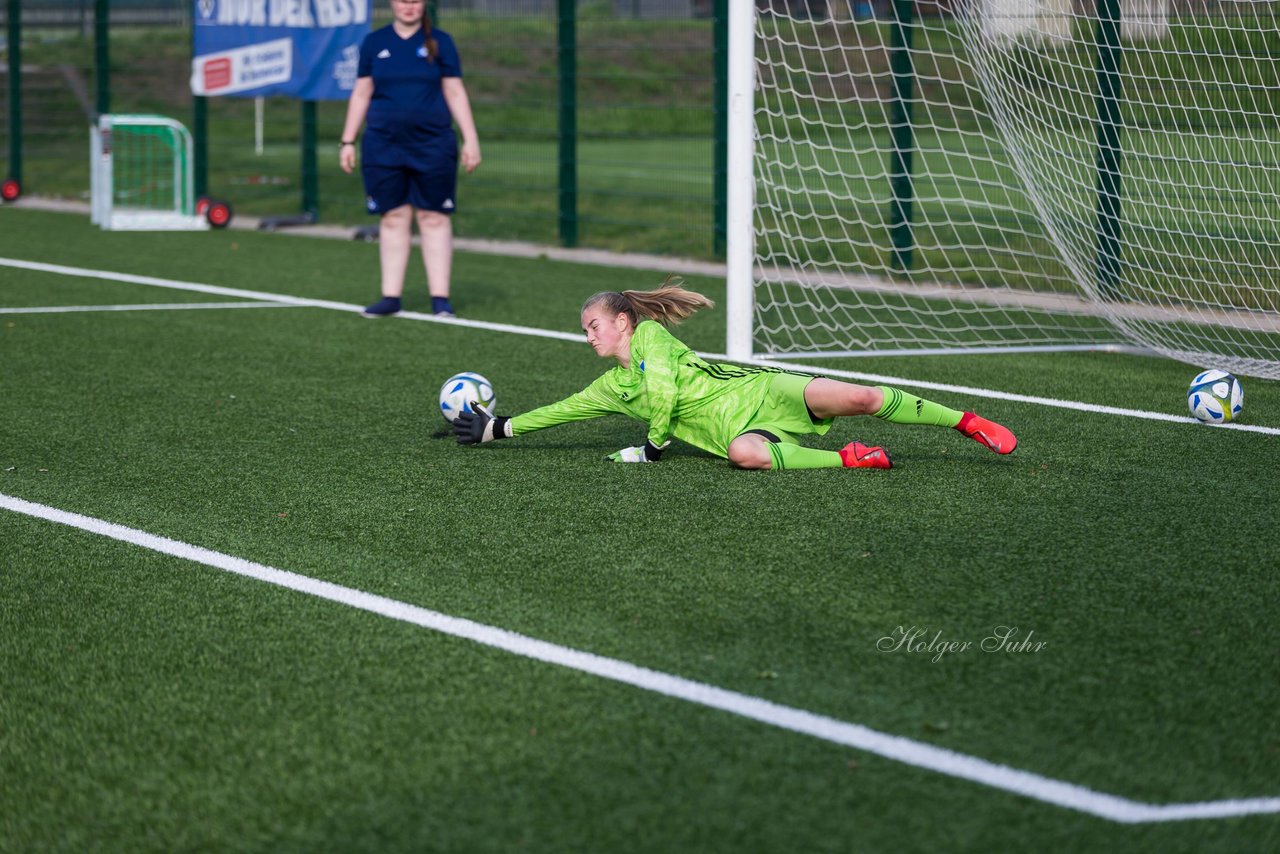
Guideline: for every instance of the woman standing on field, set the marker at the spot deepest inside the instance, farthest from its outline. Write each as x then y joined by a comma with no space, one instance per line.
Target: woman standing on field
409,86
749,415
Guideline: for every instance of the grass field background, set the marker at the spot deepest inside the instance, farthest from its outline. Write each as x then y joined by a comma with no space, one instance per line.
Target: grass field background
152,703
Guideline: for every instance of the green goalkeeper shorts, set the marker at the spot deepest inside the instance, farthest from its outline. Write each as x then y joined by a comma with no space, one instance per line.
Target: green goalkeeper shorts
784,414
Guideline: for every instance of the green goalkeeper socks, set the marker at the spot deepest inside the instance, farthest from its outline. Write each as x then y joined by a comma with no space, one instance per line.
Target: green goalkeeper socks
902,408
786,456
899,407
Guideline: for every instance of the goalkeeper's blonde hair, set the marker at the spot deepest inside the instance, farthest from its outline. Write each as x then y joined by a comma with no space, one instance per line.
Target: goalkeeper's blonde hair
668,304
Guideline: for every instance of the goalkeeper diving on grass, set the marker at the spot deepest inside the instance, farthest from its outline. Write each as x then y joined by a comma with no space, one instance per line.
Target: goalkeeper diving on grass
751,416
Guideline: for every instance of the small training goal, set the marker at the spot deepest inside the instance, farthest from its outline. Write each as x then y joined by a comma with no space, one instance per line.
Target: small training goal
141,175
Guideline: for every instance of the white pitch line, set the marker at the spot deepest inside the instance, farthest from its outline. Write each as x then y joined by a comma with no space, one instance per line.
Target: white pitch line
990,394
1019,398
147,306
1009,349
905,750
197,287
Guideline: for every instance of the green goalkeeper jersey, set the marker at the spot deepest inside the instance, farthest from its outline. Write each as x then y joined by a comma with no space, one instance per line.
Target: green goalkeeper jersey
674,391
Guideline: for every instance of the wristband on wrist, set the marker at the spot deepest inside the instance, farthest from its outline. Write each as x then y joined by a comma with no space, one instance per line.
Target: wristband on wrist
346,142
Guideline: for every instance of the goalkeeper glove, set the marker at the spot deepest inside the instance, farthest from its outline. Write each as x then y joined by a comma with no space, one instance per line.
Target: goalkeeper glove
646,453
472,428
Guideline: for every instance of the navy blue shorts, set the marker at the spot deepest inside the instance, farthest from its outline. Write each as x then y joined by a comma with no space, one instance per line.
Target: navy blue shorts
389,187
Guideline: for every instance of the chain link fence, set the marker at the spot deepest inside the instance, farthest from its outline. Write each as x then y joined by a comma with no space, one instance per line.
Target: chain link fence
636,172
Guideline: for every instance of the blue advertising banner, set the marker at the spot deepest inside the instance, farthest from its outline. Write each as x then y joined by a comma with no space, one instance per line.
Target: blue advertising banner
307,49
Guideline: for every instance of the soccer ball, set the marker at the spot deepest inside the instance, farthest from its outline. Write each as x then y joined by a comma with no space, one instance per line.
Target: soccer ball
462,392
1215,397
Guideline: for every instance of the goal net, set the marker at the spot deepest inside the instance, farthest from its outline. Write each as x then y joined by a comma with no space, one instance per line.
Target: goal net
962,175
140,174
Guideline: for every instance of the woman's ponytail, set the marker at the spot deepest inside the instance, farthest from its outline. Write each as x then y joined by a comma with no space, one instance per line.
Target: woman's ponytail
429,39
668,304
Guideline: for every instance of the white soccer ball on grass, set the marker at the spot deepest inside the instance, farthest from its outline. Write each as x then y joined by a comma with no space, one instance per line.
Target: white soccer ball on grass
1215,397
463,393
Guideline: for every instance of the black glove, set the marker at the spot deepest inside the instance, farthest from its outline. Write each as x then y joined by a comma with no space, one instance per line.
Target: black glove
472,428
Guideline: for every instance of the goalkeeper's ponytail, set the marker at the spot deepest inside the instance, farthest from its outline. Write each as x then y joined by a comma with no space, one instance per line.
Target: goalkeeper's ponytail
668,304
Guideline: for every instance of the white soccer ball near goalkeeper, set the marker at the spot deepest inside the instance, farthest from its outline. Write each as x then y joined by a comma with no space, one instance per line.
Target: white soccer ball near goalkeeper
463,392
1215,397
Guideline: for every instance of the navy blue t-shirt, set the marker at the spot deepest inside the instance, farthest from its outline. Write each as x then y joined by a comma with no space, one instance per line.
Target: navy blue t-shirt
409,123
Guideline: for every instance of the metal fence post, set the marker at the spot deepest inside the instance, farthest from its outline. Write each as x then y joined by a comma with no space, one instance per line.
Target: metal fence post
102,53
902,66
1108,136
720,179
15,90
567,31
310,174
200,144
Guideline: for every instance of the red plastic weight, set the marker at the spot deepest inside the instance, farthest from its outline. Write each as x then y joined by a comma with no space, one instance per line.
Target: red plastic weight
219,214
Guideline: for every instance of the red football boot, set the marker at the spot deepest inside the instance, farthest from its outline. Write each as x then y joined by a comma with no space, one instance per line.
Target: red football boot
859,456
996,437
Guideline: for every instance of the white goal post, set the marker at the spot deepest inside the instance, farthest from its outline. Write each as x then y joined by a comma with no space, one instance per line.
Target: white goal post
140,175
994,175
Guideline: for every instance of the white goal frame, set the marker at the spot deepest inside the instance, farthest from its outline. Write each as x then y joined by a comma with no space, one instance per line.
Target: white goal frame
1199,328
117,205
740,192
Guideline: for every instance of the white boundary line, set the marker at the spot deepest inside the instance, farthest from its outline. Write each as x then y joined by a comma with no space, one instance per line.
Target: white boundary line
905,750
577,337
217,290
1009,349
992,394
149,306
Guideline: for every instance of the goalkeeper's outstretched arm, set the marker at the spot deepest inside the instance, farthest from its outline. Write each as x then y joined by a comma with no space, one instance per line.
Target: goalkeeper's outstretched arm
597,399
475,428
